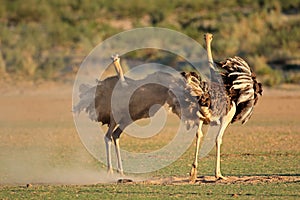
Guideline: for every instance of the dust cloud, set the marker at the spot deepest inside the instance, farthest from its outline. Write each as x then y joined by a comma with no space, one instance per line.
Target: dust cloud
38,140
35,166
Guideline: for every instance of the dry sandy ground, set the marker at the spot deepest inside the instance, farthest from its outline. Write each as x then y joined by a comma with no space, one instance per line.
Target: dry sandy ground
229,180
24,104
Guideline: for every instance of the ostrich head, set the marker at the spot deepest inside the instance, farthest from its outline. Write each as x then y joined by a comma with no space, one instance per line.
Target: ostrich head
115,58
208,37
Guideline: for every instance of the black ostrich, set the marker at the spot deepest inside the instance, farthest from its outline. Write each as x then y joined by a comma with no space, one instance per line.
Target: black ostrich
157,89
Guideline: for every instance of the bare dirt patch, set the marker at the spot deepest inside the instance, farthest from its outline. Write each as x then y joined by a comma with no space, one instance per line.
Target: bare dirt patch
229,180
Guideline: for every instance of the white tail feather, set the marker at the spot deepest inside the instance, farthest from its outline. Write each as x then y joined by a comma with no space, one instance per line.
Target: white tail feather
241,86
238,74
246,96
247,115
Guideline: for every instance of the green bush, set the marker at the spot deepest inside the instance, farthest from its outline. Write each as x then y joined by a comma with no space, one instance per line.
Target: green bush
292,77
267,75
39,38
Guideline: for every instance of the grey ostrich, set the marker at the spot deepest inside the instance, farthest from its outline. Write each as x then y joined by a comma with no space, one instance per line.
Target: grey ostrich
229,97
158,88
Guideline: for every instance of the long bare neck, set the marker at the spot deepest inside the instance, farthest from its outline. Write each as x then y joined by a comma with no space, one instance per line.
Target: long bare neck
118,68
208,49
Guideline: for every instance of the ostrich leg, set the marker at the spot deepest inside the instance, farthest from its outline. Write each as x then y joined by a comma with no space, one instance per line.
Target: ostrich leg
225,120
108,141
116,137
193,174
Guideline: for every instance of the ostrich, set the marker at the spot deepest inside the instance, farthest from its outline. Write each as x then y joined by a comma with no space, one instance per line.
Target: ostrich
203,101
236,102
158,88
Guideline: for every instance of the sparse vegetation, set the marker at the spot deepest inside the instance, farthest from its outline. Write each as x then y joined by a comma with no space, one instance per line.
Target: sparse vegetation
41,38
39,146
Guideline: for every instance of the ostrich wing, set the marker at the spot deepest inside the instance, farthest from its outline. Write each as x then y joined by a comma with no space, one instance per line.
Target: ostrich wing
242,86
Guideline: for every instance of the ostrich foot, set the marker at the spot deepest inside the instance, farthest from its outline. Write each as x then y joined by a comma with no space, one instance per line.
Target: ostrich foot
193,174
121,172
110,171
220,177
